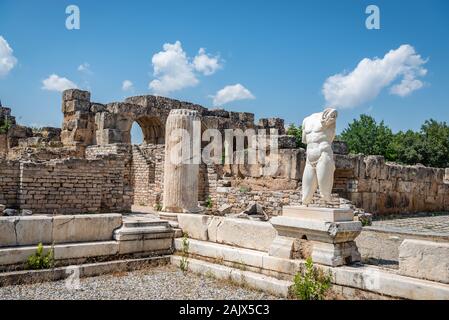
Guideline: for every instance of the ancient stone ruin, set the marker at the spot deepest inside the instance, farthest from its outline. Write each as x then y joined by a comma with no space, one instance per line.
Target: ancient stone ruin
94,144
85,191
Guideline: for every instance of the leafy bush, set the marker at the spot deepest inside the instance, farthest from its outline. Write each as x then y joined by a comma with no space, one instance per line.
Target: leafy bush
312,283
39,260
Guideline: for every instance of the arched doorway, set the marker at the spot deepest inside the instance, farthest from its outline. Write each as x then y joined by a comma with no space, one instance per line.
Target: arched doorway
152,129
136,134
147,137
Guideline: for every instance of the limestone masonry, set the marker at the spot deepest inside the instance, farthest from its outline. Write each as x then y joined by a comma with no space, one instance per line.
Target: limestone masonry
89,165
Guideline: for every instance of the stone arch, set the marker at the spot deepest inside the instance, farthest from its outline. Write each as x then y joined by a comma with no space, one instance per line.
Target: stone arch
152,128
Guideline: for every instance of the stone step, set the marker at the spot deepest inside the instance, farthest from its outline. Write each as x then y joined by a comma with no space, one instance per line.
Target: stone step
242,277
85,270
147,232
384,282
251,259
144,223
80,250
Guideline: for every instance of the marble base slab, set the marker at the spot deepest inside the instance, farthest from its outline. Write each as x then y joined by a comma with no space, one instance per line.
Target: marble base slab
319,214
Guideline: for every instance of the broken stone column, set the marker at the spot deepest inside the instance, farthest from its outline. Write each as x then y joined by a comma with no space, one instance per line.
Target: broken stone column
182,156
78,126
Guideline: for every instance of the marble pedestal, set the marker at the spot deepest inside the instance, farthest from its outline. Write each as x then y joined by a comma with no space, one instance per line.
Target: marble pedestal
331,232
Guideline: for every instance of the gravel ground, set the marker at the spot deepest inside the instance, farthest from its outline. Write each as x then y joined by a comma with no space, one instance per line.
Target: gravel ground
166,282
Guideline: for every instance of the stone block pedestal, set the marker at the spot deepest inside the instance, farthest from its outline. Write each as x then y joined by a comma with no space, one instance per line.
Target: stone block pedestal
331,232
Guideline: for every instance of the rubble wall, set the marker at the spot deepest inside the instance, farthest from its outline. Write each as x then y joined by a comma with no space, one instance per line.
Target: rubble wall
368,182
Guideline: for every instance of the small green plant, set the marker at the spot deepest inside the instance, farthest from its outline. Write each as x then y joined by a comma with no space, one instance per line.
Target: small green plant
158,206
312,283
210,275
244,189
209,203
184,263
4,128
39,260
365,222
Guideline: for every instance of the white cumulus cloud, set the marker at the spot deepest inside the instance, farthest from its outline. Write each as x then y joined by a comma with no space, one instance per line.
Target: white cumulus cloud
57,83
366,81
127,85
7,59
232,93
85,68
206,64
172,70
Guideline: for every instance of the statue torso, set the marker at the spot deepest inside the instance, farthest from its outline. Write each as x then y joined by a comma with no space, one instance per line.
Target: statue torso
318,138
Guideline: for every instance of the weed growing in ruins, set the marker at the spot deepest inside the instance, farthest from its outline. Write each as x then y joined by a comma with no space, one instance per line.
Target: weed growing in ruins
158,206
36,129
209,203
4,128
244,189
184,263
39,260
312,283
365,222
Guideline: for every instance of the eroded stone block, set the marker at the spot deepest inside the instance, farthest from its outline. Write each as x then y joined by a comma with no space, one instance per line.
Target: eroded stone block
32,230
424,259
246,234
195,225
89,227
7,232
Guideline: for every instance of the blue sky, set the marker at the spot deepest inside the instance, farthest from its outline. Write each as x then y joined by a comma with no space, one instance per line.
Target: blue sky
281,52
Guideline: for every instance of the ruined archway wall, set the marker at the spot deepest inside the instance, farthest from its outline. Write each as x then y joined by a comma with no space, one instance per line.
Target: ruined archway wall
87,123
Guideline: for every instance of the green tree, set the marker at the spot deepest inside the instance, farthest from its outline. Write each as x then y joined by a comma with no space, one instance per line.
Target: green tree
407,147
367,137
297,132
435,148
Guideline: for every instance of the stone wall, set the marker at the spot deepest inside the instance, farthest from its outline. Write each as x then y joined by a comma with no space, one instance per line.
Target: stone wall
367,181
9,182
73,186
147,174
3,145
144,166
385,188
65,186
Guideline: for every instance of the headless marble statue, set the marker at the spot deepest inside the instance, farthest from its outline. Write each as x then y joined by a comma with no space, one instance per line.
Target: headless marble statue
318,132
